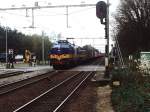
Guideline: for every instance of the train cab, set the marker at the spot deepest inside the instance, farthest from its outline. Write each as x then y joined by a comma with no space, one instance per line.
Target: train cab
61,53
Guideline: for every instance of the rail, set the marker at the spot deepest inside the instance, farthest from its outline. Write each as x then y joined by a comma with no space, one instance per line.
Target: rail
48,91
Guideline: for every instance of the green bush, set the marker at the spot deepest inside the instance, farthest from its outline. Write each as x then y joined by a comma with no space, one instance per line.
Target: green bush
118,74
128,99
133,95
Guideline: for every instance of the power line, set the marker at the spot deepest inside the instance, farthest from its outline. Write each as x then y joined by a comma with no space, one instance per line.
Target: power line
61,14
57,14
14,14
40,7
80,10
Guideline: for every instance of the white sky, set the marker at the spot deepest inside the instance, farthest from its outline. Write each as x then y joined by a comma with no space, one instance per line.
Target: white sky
82,21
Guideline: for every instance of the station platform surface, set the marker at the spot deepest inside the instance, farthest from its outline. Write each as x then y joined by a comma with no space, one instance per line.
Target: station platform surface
88,68
38,69
25,67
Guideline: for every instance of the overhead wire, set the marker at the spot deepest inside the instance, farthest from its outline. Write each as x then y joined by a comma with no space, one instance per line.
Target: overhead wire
14,14
78,11
56,14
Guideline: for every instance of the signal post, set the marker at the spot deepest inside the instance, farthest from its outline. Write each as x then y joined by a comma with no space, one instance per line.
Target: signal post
102,12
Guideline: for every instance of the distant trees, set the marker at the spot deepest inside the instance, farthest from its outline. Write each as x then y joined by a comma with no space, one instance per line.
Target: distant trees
20,42
133,26
37,45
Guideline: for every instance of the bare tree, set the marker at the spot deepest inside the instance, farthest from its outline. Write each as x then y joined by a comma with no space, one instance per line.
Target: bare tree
133,26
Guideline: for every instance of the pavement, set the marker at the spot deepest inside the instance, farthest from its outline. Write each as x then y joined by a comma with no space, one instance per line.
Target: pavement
25,67
88,68
99,76
37,70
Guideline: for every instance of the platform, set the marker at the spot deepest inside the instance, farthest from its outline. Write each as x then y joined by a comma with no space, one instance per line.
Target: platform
88,68
26,67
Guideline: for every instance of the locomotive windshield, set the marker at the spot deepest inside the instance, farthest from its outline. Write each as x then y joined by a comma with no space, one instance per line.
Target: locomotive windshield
61,47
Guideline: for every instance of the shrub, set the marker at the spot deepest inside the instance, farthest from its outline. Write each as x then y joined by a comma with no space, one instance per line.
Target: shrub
133,95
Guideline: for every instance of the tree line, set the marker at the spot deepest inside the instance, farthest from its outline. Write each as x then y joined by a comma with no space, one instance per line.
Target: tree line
133,26
20,42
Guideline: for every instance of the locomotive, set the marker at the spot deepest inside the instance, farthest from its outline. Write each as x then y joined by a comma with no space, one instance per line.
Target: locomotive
64,54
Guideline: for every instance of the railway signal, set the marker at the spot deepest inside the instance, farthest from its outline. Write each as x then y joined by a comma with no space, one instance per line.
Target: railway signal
101,11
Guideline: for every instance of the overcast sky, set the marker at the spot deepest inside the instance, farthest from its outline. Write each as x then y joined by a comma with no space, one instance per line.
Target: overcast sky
82,21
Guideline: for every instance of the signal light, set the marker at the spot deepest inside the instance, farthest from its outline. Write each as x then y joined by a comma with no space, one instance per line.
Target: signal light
101,9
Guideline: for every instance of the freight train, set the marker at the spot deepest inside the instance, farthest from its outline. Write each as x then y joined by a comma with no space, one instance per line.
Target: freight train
64,54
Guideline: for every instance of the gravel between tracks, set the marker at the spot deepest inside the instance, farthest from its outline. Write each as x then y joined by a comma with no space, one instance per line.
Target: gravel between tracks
11,101
84,102
90,99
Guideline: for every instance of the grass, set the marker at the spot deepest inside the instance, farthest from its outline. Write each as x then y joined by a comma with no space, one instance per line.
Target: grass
133,94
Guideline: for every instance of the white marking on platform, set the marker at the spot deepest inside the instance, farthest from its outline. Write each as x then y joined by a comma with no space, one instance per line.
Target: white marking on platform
27,68
89,68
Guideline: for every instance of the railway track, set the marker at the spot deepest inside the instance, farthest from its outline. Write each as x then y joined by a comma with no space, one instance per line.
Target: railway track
54,98
20,95
14,73
9,87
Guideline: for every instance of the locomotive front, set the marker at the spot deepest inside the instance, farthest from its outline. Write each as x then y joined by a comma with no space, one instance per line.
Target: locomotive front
61,54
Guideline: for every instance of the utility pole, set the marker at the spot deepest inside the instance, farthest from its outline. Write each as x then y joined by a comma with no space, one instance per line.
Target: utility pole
93,48
107,74
6,50
43,56
107,41
107,31
67,17
32,18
